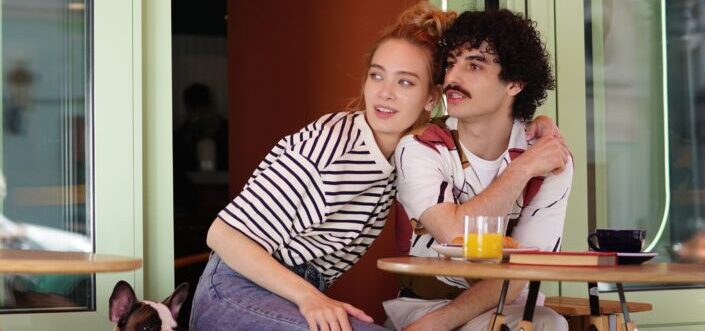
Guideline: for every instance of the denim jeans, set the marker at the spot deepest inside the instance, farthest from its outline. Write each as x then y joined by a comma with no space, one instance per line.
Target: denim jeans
226,300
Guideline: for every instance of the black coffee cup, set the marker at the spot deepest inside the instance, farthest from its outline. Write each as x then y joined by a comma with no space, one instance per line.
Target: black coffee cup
615,240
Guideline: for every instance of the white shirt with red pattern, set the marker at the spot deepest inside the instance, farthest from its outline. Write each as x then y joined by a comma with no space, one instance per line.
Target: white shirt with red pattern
431,171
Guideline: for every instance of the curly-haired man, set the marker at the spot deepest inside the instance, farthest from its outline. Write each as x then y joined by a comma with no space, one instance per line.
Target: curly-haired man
480,161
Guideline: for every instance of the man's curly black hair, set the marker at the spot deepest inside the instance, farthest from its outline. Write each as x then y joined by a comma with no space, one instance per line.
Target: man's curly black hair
517,47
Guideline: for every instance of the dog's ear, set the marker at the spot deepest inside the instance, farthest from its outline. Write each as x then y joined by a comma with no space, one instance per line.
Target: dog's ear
176,299
121,300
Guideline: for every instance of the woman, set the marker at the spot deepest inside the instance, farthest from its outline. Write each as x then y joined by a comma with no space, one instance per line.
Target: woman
320,198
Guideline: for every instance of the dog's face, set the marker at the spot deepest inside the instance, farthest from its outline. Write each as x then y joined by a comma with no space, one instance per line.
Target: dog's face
131,314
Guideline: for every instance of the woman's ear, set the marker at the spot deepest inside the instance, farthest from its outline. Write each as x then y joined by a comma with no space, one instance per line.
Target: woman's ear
433,98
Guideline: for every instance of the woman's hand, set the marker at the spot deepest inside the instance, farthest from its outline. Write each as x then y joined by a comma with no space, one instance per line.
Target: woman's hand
325,314
249,259
547,155
542,126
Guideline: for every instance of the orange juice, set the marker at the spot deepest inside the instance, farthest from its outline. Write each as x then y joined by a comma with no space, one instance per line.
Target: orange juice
484,246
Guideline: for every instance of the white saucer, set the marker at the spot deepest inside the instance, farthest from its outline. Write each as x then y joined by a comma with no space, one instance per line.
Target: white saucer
456,250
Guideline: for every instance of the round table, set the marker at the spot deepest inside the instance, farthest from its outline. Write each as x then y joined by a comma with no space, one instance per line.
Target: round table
46,262
643,273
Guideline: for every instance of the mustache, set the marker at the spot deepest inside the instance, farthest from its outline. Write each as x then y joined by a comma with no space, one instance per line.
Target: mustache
457,89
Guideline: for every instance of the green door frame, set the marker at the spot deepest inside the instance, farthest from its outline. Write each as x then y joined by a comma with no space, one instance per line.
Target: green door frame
132,158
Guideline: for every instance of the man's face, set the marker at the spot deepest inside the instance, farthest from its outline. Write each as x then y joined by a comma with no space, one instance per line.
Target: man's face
472,85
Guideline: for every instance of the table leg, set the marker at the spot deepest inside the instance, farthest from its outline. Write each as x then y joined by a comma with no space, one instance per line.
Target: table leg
525,326
597,322
629,325
526,322
497,322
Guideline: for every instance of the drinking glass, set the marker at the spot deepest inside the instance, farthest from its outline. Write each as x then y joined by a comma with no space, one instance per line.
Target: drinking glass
483,237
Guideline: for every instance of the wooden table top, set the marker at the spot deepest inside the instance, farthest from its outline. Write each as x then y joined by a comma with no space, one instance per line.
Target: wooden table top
643,273
45,262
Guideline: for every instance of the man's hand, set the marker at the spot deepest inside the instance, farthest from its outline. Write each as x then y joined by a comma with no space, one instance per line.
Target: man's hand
548,154
325,314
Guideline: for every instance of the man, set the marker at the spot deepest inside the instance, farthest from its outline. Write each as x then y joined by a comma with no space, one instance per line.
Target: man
480,162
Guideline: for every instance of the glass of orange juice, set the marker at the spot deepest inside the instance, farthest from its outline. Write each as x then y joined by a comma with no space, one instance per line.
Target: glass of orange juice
483,237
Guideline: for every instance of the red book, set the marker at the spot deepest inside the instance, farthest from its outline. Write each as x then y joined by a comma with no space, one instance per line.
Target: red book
571,259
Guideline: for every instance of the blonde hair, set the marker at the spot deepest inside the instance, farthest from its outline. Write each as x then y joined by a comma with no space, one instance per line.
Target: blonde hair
422,25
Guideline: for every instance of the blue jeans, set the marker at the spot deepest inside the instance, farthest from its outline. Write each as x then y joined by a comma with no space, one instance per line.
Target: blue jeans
226,300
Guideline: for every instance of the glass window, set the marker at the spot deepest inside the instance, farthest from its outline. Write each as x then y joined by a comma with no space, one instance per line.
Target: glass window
646,107
46,146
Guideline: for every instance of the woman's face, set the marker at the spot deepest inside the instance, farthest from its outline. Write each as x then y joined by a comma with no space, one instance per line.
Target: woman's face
397,89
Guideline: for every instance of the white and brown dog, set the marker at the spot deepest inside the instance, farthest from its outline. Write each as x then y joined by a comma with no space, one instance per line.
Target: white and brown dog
131,314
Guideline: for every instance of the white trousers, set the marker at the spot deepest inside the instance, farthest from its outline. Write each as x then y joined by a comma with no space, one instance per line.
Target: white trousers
404,311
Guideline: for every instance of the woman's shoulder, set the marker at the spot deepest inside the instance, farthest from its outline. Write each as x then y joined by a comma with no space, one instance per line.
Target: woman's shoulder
328,122
333,121
321,135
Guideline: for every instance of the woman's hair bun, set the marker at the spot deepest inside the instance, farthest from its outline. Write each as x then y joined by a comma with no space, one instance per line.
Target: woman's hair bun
425,18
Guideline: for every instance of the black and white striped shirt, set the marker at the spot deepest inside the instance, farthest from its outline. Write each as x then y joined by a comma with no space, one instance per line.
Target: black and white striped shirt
322,195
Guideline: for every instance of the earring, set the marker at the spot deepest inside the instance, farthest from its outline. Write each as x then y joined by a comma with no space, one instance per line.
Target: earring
444,105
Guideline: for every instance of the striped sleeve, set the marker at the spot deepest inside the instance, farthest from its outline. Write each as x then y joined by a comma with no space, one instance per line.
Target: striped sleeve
305,141
272,156
280,200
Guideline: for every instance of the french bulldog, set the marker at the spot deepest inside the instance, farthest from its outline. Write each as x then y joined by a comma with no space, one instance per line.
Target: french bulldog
131,314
